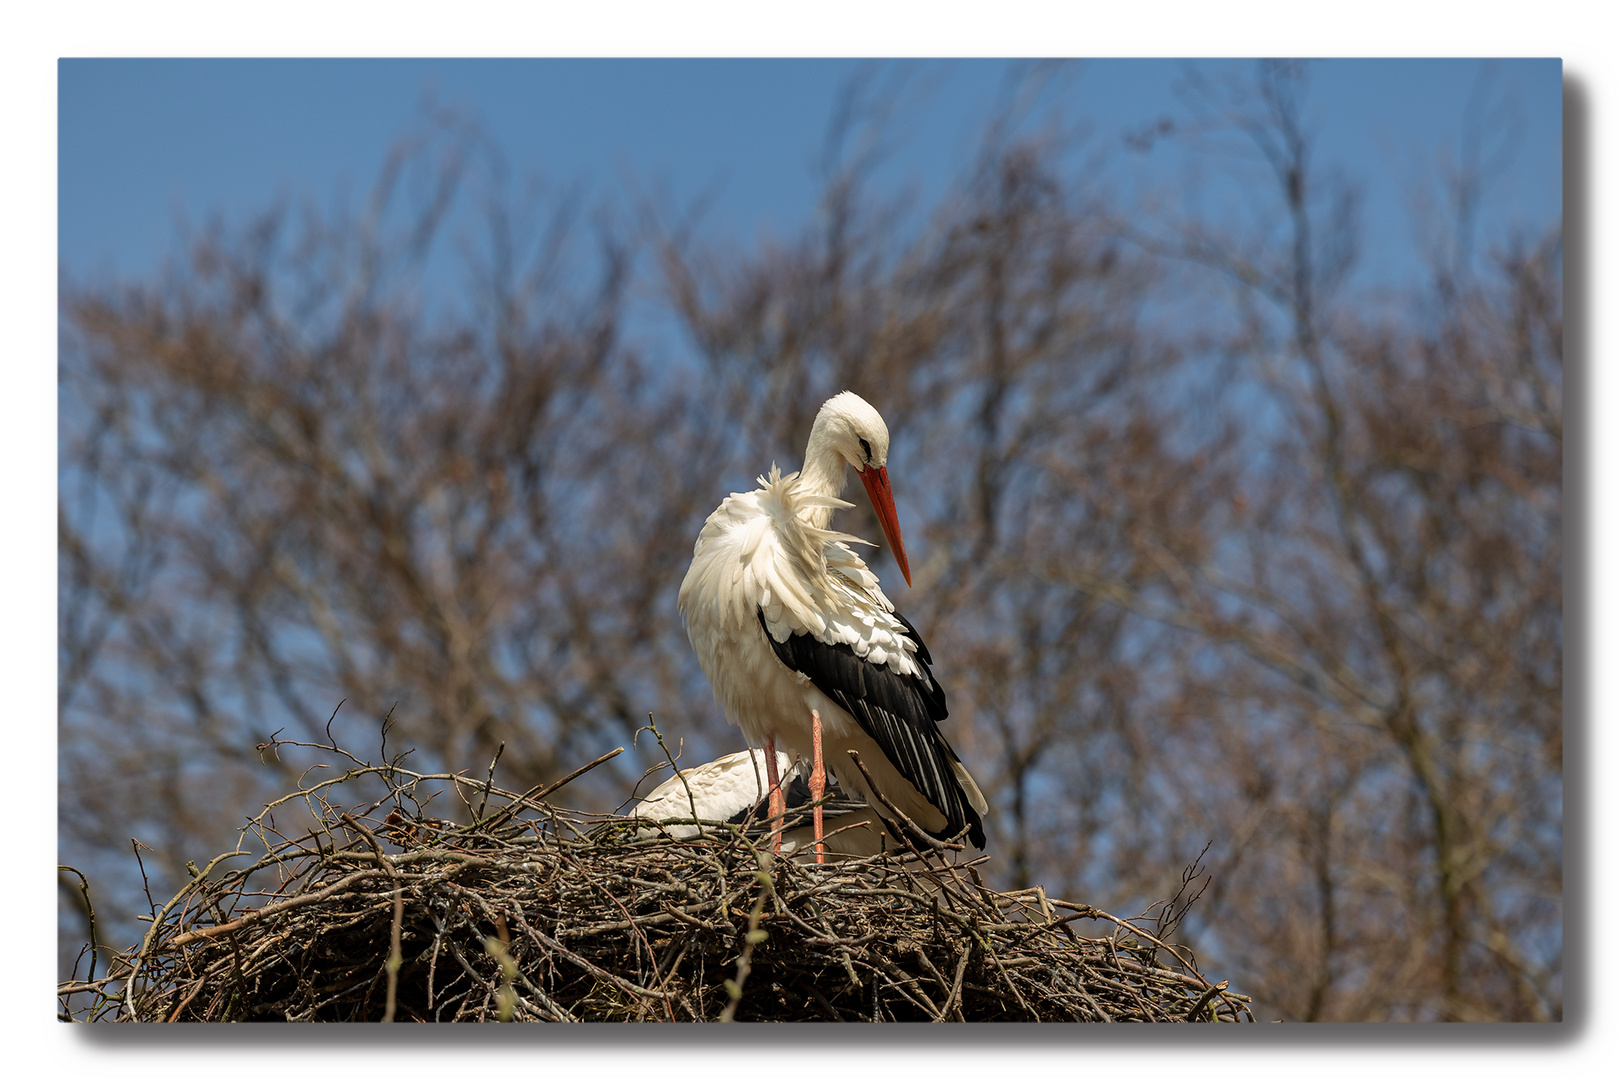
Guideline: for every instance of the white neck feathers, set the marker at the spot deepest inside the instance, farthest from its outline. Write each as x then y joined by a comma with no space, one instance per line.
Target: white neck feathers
823,474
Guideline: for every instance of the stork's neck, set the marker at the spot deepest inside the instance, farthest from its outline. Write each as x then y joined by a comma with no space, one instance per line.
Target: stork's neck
823,473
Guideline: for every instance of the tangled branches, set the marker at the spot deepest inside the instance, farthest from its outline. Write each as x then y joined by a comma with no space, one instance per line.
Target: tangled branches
377,911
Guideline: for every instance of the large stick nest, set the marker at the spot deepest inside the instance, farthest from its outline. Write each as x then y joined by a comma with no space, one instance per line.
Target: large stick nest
376,911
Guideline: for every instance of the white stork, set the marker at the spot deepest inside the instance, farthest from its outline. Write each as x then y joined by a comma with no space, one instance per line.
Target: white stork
804,651
732,789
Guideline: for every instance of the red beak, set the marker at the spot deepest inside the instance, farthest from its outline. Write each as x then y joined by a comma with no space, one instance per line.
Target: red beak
877,489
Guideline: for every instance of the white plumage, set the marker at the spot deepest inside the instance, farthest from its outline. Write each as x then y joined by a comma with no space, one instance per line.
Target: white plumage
716,791
791,628
732,788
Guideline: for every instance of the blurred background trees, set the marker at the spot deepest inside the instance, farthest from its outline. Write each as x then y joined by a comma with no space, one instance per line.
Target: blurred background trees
1213,548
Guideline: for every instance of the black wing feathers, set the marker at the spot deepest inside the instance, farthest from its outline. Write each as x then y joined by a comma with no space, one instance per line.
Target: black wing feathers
900,712
911,632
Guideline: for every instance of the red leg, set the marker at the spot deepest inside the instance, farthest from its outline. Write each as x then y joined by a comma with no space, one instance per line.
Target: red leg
818,782
778,800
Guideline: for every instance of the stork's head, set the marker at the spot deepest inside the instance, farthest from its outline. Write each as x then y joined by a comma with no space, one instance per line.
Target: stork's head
852,429
855,430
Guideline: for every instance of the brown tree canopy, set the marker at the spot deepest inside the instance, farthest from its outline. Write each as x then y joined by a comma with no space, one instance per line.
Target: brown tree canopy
1212,547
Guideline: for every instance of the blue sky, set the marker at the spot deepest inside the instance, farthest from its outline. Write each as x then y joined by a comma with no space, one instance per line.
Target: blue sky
143,143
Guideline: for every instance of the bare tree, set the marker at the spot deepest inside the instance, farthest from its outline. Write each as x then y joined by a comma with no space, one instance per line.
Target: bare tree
1385,594
291,481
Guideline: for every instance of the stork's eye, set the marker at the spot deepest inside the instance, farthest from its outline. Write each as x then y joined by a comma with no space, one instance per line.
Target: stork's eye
866,448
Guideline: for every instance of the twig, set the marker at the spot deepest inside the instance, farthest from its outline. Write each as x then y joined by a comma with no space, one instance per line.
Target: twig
754,935
489,780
